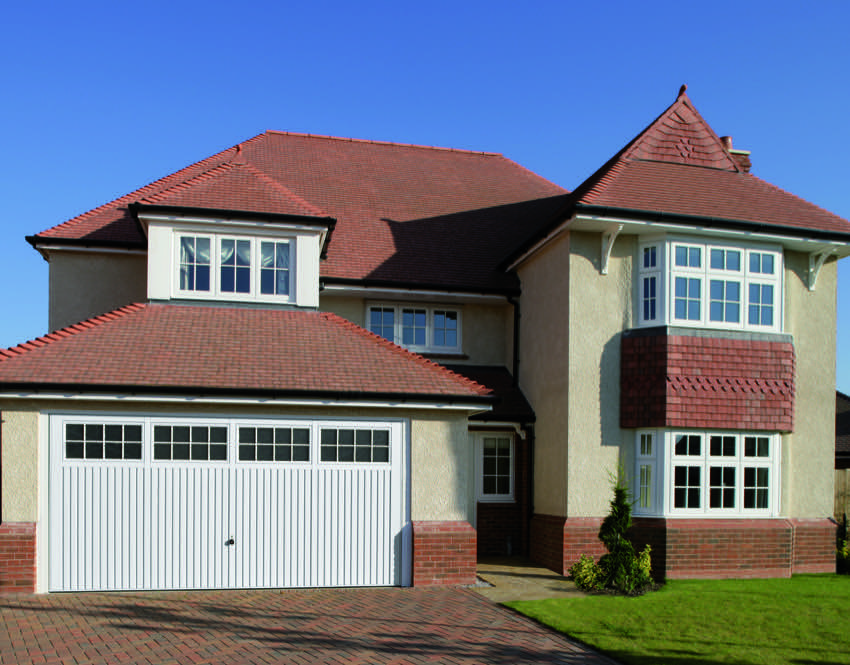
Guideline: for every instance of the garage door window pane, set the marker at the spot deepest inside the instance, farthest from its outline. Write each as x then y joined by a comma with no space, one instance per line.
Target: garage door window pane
350,445
103,442
274,444
201,443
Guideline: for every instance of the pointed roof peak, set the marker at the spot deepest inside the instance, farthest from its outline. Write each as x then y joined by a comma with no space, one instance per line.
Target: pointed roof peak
680,135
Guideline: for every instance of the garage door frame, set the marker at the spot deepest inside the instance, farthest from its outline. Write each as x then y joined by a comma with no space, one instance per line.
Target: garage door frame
397,468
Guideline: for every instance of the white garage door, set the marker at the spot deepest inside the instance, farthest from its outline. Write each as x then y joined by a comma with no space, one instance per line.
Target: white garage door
211,503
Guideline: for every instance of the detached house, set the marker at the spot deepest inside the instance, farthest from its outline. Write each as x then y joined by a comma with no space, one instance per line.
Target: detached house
313,361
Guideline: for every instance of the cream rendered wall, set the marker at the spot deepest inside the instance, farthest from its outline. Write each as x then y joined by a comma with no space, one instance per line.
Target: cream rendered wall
85,284
808,454
441,455
544,370
601,307
19,465
486,330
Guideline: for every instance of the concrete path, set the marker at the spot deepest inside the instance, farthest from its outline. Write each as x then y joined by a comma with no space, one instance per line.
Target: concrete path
400,626
519,579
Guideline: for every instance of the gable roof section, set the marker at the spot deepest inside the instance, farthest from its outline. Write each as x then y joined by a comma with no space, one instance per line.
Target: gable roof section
198,350
679,166
405,215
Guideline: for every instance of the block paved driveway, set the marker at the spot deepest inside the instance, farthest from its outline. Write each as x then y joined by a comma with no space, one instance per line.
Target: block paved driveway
293,626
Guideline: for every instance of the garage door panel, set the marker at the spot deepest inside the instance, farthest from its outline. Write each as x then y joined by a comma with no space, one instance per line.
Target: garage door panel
167,524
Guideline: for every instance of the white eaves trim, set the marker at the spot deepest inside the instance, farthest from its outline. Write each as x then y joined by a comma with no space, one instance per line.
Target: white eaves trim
46,249
604,224
409,295
247,401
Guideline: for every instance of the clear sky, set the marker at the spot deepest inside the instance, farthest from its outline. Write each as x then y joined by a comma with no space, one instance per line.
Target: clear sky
101,98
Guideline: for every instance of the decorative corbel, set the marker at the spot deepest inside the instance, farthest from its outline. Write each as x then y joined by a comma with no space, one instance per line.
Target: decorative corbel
608,238
816,261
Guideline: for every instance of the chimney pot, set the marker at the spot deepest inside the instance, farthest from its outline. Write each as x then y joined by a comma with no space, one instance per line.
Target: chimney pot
727,142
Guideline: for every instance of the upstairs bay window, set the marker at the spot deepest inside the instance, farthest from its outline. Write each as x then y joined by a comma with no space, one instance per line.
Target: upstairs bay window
709,284
233,268
417,327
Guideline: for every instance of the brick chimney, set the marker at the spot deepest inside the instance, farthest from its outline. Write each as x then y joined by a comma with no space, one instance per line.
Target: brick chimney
741,157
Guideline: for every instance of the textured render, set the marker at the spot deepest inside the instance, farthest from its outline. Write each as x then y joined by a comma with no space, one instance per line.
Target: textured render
543,372
600,309
85,284
808,454
19,465
442,469
674,378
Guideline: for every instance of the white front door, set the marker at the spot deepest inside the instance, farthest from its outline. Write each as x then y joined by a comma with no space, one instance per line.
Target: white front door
177,503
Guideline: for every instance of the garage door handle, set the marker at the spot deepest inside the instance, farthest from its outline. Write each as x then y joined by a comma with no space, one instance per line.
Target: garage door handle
230,541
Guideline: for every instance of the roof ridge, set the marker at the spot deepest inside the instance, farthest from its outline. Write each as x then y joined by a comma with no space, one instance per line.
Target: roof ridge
69,331
144,190
387,143
400,350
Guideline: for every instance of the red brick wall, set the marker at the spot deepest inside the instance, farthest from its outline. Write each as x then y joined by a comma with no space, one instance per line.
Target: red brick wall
814,546
698,548
443,553
558,542
500,531
17,557
691,381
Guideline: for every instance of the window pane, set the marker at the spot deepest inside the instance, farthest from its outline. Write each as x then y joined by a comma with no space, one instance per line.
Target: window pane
681,256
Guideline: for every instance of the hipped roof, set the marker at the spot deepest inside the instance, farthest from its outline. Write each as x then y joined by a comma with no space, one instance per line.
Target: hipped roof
200,349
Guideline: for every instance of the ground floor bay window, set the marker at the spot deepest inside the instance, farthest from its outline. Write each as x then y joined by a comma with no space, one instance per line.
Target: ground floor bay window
691,473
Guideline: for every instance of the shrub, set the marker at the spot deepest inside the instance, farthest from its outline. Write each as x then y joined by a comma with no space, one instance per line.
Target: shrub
587,574
620,570
843,556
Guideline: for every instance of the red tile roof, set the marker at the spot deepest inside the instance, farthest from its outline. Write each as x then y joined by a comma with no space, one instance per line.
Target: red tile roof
679,166
404,214
193,349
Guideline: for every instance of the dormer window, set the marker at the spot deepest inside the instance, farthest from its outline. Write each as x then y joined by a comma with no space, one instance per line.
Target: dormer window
233,268
248,261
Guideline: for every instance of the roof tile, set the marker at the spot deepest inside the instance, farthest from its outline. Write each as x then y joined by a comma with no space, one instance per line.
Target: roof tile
226,348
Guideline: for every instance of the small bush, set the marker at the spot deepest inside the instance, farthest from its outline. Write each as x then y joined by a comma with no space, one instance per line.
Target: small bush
587,574
842,555
621,569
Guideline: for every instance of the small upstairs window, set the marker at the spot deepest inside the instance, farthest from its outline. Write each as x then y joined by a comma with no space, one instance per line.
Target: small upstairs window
416,327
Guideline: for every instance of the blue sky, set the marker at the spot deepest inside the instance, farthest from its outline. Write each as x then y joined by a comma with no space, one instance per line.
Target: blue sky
101,98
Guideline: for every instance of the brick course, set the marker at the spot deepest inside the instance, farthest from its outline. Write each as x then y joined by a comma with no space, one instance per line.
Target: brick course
443,553
697,548
17,557
706,382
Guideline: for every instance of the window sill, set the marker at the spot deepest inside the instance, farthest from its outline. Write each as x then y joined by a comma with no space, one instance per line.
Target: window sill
442,355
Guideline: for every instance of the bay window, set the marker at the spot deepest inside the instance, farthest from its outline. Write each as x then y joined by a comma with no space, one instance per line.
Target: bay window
707,473
709,284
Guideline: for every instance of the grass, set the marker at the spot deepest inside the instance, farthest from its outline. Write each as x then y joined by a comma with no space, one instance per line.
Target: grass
802,620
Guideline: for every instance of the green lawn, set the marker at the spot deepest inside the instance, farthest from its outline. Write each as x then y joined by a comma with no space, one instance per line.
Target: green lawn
805,619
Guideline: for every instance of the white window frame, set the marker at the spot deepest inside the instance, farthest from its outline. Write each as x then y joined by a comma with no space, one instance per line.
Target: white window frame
215,292
646,455
665,459
430,313
666,273
479,467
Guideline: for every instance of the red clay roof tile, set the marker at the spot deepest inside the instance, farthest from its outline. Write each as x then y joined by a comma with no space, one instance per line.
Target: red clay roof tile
679,166
195,348
404,214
